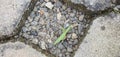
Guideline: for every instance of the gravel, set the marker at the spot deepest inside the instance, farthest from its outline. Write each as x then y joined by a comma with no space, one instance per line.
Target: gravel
45,23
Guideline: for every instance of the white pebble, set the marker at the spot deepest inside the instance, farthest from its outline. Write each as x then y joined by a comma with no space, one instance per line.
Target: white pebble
81,17
49,5
59,16
74,35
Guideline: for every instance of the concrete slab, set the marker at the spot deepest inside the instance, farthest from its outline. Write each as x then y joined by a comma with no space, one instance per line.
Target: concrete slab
18,49
95,5
11,12
103,38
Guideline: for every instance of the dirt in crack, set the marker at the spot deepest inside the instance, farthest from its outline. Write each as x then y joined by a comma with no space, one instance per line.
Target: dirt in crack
45,23
44,26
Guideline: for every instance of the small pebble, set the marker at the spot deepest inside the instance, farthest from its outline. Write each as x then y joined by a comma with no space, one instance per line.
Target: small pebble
58,4
60,46
24,29
59,16
44,9
74,36
72,14
81,17
25,35
46,0
49,5
30,19
70,42
68,35
63,50
34,23
46,14
60,55
67,16
32,15
27,24
66,25
75,41
50,45
36,19
57,52
41,12
80,27
65,44
67,55
64,7
42,44
35,41
35,33
41,1
35,8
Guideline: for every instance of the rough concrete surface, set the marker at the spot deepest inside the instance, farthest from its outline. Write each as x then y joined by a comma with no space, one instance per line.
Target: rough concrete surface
18,49
10,15
95,5
103,38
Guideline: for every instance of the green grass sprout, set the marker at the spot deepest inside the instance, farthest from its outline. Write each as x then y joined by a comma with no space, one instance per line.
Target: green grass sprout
62,36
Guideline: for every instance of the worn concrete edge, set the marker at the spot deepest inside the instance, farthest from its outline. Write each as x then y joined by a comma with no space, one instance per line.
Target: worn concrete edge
83,8
89,26
35,46
24,16
95,19
85,30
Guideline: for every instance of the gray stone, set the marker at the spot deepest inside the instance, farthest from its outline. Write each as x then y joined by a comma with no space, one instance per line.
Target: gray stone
75,41
94,5
58,4
34,23
50,45
10,15
101,42
60,46
80,28
117,8
24,29
41,1
64,50
34,32
68,36
18,49
65,44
